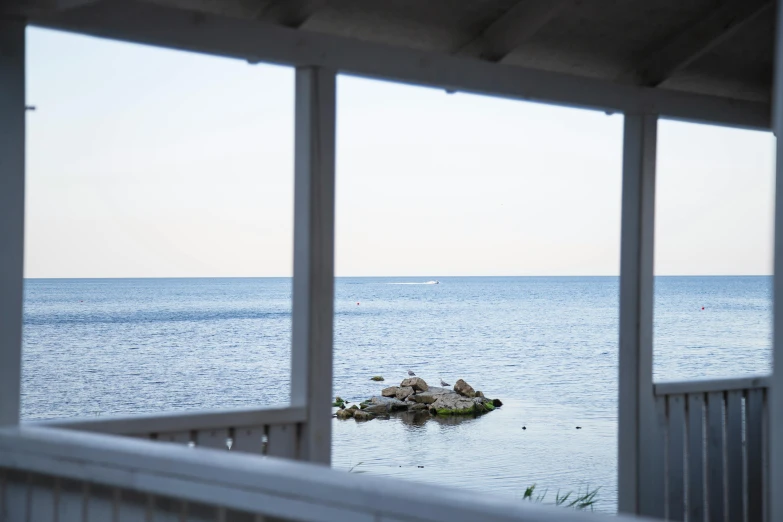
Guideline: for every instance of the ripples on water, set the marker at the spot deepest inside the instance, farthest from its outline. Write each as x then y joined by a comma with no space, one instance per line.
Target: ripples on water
546,346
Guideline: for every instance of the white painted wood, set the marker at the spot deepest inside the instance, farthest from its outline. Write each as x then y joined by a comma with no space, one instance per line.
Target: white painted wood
181,421
249,440
754,413
268,486
638,470
677,460
132,506
775,414
696,437
711,385
167,509
257,41
19,7
291,13
42,497
237,516
696,40
283,441
512,28
179,437
12,181
16,499
313,292
70,501
734,456
197,512
100,503
716,471
212,439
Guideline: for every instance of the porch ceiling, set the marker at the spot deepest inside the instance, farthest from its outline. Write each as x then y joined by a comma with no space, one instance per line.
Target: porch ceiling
718,50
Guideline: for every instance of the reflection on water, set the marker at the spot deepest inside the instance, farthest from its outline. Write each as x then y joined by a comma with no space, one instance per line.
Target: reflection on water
488,453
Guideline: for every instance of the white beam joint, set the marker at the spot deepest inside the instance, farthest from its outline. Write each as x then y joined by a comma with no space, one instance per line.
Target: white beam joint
12,174
636,400
313,293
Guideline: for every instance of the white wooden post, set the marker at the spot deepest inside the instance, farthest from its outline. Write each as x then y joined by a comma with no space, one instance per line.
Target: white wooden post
636,414
12,150
313,295
775,401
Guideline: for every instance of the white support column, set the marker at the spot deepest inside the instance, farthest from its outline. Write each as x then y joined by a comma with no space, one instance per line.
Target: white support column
636,414
775,399
313,307
12,150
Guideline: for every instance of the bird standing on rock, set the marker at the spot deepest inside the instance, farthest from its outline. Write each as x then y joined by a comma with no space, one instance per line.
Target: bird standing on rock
444,383
411,373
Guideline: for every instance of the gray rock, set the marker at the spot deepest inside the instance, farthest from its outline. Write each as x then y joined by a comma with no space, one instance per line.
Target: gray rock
391,391
397,405
437,390
404,392
378,409
455,404
418,407
425,397
417,383
362,415
496,403
479,394
386,404
464,389
345,414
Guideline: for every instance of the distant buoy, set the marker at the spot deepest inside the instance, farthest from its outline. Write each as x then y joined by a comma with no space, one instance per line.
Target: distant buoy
357,303
702,308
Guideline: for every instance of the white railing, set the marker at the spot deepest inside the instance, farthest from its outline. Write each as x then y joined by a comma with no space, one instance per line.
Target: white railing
266,431
51,474
715,447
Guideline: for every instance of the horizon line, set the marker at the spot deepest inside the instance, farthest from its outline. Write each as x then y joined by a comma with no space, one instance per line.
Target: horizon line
391,276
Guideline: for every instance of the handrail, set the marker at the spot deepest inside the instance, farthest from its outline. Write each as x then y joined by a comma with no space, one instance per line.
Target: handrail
267,486
179,421
710,385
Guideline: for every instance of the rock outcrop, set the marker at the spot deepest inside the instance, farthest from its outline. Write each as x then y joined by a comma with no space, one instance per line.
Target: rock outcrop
415,397
464,389
345,414
417,383
403,392
362,415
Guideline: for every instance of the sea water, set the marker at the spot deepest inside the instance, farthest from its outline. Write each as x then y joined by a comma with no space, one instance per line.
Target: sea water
546,346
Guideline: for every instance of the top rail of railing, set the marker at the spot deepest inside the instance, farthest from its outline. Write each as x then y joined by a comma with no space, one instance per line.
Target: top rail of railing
267,486
179,421
711,385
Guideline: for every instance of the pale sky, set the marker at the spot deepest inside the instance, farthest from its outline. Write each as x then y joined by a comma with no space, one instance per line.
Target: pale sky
153,163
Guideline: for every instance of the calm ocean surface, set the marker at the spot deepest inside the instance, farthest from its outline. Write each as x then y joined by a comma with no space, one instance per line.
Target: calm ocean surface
546,346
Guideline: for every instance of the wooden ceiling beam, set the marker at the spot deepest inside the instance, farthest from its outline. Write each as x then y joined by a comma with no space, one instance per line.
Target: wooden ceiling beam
512,28
694,42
